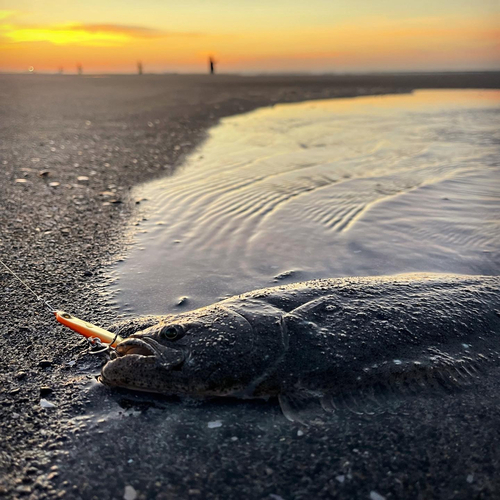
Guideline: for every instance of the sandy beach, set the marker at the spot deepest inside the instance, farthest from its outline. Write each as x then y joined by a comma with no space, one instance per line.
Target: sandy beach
71,149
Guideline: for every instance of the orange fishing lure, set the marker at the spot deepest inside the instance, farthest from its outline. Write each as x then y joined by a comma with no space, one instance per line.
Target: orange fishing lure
87,329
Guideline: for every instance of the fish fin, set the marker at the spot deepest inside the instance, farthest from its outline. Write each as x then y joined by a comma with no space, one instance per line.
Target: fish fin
355,403
382,393
313,409
393,389
303,408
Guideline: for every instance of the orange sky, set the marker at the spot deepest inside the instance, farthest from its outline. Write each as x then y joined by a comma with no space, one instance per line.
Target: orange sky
252,36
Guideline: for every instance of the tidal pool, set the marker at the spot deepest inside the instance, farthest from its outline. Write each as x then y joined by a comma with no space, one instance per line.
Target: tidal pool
346,187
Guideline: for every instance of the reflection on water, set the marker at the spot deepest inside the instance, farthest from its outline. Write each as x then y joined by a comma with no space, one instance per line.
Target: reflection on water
365,186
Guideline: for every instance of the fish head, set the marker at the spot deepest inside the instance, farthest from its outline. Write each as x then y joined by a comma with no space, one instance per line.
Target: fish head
219,350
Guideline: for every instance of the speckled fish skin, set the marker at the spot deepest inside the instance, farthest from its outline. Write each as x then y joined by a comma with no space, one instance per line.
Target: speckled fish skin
317,339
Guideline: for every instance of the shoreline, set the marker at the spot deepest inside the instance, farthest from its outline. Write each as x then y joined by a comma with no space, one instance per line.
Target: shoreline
97,140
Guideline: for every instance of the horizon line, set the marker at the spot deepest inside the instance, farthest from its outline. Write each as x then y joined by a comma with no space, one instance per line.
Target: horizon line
253,73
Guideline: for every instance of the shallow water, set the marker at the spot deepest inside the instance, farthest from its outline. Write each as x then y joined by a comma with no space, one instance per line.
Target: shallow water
346,187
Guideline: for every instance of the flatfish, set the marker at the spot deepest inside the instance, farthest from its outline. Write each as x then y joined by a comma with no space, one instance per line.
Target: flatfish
326,345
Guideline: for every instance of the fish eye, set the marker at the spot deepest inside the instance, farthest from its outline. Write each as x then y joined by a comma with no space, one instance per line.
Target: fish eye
171,332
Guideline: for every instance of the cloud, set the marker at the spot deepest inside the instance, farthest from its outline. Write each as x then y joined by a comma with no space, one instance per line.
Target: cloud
133,31
4,14
99,35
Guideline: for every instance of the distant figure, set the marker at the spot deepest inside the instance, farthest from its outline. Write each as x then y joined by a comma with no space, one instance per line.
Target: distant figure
139,67
61,70
211,62
79,69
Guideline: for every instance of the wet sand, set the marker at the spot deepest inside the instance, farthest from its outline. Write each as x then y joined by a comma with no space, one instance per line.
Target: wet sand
94,138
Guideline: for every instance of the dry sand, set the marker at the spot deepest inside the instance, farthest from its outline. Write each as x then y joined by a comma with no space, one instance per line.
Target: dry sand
92,139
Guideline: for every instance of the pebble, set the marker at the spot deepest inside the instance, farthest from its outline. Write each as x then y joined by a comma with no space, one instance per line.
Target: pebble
181,301
284,275
54,184
46,404
21,181
130,493
44,173
214,424
82,179
20,375
25,490
376,496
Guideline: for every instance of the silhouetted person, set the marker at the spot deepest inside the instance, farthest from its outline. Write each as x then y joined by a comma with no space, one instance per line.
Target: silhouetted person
139,67
211,62
79,69
61,70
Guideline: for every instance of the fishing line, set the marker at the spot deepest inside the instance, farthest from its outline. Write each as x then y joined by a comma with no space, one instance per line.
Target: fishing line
51,309
95,334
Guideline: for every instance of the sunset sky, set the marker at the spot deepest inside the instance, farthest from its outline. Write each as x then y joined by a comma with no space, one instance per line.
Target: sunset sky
110,36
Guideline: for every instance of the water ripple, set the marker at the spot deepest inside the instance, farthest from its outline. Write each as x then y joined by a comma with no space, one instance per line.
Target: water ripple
346,187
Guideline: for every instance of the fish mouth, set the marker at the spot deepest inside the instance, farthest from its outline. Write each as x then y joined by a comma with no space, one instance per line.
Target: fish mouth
139,347
148,349
141,364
